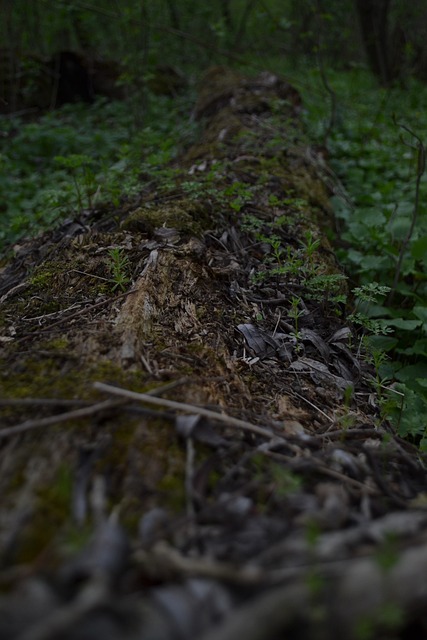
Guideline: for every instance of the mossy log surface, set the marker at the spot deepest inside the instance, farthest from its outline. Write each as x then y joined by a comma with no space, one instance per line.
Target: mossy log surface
122,518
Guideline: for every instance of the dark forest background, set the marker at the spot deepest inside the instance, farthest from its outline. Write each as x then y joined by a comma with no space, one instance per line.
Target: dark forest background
388,36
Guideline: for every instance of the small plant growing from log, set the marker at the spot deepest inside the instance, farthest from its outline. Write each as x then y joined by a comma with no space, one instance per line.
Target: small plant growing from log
365,296
311,245
119,265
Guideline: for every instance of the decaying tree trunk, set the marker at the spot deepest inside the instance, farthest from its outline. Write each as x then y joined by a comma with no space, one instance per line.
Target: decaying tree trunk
194,447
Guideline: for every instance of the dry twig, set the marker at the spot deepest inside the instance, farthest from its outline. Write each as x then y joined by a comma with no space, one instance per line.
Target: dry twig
186,408
28,425
84,412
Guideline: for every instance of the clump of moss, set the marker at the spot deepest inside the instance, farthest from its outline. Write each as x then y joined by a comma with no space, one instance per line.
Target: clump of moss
43,276
185,215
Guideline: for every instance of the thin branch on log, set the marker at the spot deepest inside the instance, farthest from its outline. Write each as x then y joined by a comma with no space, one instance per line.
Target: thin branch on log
186,408
28,425
163,558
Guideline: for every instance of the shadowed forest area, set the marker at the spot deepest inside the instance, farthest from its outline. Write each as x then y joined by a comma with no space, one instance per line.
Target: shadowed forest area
213,319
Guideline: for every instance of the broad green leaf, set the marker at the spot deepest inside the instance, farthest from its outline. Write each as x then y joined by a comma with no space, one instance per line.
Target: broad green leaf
382,343
370,217
375,262
399,227
401,323
419,249
411,373
419,348
420,312
408,415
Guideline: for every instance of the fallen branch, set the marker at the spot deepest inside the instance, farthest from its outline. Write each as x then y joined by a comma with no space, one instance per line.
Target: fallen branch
28,425
163,560
186,408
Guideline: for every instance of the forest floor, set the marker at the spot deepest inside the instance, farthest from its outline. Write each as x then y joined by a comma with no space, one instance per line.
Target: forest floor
192,443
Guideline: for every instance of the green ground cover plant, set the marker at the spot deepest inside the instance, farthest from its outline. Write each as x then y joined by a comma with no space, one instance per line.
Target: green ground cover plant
119,266
85,156
82,156
377,151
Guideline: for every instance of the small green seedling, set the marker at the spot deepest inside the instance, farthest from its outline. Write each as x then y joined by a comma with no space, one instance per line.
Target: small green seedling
295,313
119,265
310,246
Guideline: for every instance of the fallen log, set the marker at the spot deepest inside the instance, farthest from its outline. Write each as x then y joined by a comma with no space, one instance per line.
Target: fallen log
252,492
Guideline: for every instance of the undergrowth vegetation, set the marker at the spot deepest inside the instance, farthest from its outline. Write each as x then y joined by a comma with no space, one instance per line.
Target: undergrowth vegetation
82,157
79,157
377,152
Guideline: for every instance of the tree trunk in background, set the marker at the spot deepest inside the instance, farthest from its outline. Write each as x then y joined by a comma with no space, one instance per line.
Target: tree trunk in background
241,30
373,18
174,14
226,14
